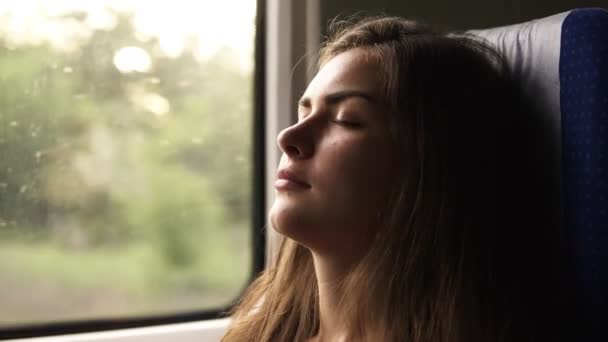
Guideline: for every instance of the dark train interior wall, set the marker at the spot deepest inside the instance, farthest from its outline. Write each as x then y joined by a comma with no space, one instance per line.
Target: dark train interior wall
458,14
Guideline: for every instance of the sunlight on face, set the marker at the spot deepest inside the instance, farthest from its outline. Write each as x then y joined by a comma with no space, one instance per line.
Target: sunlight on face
336,166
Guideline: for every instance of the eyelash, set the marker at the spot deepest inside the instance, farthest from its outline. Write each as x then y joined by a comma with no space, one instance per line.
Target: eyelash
347,123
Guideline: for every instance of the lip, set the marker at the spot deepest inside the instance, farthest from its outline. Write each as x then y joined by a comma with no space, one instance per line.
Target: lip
288,180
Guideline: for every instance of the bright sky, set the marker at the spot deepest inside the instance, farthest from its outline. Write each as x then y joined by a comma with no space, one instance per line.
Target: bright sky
215,24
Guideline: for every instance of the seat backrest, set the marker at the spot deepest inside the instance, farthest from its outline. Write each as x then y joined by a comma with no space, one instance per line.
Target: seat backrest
562,64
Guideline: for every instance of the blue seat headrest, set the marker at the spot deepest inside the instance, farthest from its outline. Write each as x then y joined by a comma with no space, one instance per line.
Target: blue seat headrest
562,64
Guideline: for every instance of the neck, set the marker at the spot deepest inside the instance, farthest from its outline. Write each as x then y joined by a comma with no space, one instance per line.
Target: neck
330,272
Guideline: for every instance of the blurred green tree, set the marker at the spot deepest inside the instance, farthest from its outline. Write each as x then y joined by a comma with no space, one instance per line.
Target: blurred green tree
92,157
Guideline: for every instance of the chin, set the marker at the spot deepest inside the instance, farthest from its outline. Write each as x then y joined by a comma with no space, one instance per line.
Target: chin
283,221
291,223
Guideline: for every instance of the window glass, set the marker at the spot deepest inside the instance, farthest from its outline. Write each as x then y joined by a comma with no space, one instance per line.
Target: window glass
125,157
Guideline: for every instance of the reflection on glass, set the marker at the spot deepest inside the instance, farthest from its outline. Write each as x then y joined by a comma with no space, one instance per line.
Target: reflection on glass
125,168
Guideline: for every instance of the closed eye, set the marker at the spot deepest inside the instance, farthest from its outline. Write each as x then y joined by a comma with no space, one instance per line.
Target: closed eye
345,123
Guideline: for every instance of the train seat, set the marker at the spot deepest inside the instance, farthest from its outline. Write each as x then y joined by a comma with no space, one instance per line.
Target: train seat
562,64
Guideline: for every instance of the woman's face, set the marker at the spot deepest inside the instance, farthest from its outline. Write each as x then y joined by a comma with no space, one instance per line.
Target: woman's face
336,167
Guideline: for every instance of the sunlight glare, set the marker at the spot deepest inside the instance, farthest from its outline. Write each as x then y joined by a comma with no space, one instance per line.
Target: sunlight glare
132,59
206,26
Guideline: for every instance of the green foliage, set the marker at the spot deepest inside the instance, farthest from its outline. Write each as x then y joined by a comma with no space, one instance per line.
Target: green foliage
157,198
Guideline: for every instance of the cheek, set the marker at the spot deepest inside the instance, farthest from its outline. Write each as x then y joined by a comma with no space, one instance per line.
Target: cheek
363,163
360,174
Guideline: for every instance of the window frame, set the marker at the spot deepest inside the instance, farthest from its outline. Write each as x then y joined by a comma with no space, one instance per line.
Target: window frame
206,330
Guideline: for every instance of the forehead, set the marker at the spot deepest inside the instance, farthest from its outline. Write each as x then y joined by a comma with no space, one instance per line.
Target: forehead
350,70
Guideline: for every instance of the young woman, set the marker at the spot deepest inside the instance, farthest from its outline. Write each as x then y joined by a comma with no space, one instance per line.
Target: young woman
405,199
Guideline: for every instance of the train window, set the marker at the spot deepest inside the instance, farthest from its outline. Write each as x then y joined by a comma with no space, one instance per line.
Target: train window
126,159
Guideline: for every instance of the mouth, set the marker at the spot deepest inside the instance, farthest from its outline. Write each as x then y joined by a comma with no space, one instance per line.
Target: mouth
288,180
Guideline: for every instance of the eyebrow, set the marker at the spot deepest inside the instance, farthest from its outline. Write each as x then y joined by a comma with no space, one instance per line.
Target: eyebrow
338,97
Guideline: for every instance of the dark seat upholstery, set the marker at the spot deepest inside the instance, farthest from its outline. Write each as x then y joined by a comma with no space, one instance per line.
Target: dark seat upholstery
562,63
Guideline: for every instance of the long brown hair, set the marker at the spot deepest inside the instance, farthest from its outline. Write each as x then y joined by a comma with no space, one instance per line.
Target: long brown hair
458,257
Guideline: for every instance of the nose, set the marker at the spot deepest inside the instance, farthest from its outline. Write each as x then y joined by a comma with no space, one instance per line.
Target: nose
297,140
